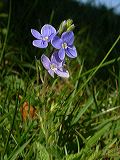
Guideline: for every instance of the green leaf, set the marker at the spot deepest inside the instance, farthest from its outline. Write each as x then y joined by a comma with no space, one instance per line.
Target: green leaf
14,155
96,137
83,110
42,153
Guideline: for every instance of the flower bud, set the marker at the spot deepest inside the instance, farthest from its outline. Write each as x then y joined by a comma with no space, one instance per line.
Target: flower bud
71,27
66,25
63,27
69,22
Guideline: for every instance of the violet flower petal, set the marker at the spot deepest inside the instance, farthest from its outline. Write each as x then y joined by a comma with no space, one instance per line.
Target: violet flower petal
64,74
68,37
61,54
71,52
36,34
45,61
55,58
48,31
57,42
40,43
51,72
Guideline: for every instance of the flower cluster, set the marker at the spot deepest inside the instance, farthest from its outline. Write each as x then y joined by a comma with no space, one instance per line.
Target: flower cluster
62,42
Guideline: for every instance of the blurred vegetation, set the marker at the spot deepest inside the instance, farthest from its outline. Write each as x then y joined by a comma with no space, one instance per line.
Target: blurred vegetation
76,118
96,28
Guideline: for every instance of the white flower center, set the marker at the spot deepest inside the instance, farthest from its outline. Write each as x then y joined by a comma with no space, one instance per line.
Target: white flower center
53,67
45,38
64,46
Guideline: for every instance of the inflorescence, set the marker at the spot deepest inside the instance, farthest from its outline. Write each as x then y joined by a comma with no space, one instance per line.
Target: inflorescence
62,42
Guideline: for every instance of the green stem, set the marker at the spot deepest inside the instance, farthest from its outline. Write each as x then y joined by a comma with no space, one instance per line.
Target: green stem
99,66
5,41
103,65
12,124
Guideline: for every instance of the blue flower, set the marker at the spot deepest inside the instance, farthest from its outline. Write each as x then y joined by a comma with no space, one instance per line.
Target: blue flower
54,65
46,35
65,45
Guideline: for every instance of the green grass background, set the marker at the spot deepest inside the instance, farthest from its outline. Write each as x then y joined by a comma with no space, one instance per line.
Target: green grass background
77,118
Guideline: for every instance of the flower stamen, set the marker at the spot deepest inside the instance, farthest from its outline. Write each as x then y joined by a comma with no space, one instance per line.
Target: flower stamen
64,46
45,38
53,67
